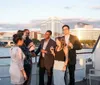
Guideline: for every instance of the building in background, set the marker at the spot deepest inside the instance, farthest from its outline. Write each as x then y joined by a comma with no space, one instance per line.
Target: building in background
53,24
82,30
36,35
7,38
85,31
86,34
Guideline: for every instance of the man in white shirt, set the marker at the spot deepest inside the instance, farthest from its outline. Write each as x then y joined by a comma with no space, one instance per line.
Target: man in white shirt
46,60
73,44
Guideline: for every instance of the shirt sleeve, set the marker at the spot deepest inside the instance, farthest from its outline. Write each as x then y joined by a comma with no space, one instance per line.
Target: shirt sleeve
20,60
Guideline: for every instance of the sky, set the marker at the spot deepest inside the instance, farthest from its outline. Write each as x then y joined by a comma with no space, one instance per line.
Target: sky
23,11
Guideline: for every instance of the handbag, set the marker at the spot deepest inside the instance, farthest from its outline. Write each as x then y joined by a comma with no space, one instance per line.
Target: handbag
58,65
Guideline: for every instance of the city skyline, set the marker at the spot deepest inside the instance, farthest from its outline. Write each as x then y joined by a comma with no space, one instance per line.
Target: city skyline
36,24
23,11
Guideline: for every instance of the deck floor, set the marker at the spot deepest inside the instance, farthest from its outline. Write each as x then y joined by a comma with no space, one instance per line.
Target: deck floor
35,77
82,83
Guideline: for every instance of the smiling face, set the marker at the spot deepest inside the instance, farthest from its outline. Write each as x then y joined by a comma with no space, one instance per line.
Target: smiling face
66,30
47,35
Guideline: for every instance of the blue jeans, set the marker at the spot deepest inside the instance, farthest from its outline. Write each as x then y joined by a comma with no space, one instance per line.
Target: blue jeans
58,74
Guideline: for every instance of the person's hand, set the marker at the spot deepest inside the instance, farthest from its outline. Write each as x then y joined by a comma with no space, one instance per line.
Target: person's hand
64,68
31,46
33,54
25,76
43,51
51,49
70,45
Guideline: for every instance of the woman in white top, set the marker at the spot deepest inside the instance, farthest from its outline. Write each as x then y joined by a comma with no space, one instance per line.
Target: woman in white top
17,72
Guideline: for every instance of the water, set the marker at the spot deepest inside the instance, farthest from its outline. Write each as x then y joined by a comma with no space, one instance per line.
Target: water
4,51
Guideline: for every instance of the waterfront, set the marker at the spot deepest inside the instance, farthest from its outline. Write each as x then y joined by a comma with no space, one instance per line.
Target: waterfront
4,52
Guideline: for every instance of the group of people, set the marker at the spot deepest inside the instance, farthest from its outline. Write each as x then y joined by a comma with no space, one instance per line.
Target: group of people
56,56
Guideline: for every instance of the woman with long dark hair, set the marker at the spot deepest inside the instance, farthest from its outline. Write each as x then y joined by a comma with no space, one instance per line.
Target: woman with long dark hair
61,61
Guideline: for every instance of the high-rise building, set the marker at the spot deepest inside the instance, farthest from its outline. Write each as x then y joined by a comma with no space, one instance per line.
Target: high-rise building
36,35
82,30
53,24
86,34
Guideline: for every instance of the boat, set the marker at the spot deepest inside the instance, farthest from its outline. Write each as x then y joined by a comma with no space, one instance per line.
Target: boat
87,68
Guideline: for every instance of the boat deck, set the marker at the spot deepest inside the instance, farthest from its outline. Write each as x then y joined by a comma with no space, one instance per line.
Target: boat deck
5,78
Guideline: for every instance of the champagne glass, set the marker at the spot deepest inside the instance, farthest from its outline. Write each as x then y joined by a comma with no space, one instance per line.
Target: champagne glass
51,48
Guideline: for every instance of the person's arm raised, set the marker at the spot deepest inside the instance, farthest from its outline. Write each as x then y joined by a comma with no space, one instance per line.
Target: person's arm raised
66,55
52,51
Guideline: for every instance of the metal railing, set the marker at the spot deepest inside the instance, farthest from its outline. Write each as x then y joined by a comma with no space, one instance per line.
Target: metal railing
76,53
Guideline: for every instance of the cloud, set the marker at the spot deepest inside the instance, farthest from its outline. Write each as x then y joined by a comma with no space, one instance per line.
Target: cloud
67,7
95,7
73,22
70,21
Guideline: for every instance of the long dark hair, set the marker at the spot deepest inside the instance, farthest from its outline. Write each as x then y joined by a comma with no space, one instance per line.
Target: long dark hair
62,40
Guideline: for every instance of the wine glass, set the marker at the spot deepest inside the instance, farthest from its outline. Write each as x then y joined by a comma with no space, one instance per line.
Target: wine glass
51,48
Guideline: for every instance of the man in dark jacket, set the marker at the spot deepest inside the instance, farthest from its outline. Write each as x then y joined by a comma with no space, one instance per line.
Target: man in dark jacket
73,44
28,42
46,60
28,61
28,50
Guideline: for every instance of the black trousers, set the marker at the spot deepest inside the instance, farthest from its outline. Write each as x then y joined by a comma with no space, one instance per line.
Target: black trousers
71,69
41,76
28,70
